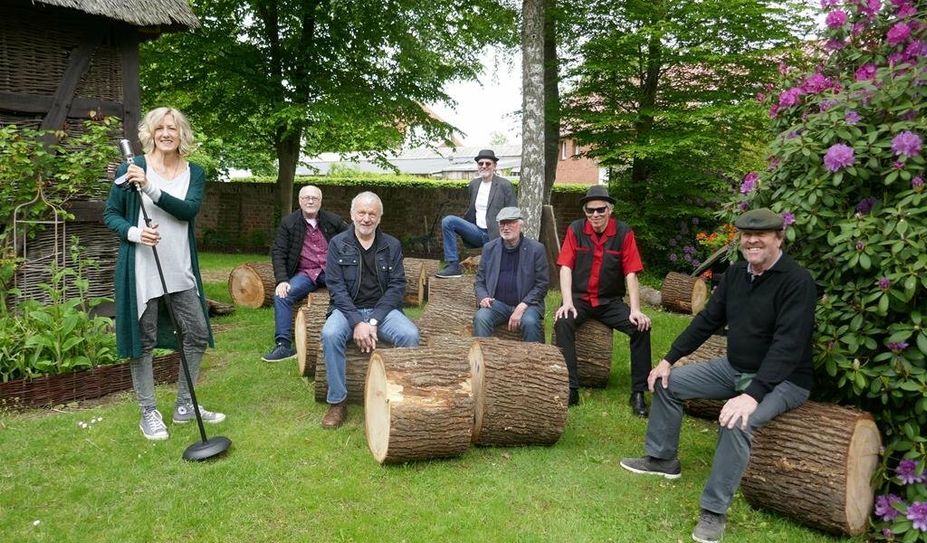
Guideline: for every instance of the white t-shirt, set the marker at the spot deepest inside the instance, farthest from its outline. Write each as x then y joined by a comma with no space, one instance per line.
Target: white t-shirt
173,249
482,203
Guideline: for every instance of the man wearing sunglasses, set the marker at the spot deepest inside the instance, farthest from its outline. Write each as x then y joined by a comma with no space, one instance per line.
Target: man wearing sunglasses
599,262
489,193
298,255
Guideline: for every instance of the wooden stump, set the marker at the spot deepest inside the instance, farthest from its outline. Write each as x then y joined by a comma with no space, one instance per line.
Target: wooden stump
682,293
417,272
418,404
521,391
307,334
355,372
219,309
815,464
593,353
253,284
453,290
470,264
445,318
714,347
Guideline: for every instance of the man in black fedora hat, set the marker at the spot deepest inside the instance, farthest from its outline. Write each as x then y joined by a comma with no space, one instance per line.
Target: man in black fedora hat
767,303
488,194
599,262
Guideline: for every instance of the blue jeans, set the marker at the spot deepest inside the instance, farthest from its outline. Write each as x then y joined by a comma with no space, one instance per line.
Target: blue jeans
396,329
300,287
714,380
487,318
472,235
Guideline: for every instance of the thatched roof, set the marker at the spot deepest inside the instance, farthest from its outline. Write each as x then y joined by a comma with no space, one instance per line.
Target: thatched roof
164,14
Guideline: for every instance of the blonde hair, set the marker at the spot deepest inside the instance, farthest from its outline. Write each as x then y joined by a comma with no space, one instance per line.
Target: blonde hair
154,117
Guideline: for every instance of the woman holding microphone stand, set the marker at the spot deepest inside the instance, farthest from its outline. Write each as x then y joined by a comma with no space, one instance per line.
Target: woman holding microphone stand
171,191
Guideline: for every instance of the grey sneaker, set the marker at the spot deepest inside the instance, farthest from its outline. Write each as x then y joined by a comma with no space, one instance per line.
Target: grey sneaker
184,414
710,527
649,465
152,425
280,352
451,270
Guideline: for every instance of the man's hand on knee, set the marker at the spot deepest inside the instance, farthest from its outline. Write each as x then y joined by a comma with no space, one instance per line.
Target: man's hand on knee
660,373
738,408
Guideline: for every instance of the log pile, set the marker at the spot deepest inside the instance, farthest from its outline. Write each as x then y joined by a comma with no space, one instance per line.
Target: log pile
307,331
683,293
714,347
252,285
450,309
356,364
593,353
816,464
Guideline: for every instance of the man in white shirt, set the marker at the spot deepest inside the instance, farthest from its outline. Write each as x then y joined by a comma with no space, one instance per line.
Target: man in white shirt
488,194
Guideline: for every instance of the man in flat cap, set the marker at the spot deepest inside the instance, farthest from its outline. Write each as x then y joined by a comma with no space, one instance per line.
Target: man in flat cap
767,303
599,262
511,281
488,194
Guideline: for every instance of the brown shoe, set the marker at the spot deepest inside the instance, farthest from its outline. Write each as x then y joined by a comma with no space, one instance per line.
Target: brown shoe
335,416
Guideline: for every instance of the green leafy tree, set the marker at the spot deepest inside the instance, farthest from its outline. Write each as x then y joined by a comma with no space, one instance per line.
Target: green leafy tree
267,80
847,170
663,92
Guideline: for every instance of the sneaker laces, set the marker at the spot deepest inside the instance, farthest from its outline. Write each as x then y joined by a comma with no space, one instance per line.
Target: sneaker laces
153,420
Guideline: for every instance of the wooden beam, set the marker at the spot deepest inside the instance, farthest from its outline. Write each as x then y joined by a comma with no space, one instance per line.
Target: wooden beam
131,96
78,62
30,103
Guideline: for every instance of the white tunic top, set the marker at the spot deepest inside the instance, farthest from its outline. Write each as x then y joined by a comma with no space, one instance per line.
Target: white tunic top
482,203
173,249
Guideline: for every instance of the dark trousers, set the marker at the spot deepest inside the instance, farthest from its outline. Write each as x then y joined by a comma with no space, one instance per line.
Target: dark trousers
614,315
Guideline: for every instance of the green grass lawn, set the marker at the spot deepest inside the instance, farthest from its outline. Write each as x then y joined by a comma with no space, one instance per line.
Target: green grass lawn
287,479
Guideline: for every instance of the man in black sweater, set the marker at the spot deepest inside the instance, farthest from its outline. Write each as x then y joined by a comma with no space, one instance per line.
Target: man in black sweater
767,304
298,255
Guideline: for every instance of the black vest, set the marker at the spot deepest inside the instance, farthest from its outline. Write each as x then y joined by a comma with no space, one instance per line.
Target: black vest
611,274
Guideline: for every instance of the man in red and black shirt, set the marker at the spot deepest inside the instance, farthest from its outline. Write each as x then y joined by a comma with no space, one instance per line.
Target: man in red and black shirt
599,256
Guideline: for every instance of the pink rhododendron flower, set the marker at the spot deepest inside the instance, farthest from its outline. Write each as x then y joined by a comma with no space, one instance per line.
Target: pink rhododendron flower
749,182
790,97
836,18
816,82
839,156
852,117
866,71
897,34
906,144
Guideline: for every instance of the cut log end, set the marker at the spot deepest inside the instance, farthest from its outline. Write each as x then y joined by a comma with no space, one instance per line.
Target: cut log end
376,409
252,285
863,456
683,293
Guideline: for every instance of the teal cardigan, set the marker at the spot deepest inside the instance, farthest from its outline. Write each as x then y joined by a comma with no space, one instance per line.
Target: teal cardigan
121,213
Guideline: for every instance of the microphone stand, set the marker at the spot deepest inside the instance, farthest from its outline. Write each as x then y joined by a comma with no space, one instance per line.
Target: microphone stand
206,448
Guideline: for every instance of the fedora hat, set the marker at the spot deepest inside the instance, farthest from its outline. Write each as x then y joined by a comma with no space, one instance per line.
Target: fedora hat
597,192
486,153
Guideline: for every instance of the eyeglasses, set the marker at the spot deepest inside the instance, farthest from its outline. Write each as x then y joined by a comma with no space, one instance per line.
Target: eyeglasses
596,210
485,163
506,224
310,198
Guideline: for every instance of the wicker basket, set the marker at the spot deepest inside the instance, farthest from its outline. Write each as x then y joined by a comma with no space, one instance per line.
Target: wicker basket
82,385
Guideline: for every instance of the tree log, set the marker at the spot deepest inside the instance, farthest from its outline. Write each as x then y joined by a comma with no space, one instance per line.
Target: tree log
418,403
307,332
453,290
355,372
445,317
682,293
219,309
253,284
816,464
521,391
648,296
418,270
714,347
593,353
470,264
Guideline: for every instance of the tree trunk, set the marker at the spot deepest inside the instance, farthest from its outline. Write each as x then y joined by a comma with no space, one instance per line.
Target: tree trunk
418,403
307,332
683,293
288,146
643,126
551,100
252,285
520,390
418,270
551,241
593,353
531,185
714,347
816,464
356,364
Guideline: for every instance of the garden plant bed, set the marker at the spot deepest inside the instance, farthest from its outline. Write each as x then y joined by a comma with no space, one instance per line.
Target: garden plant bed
82,385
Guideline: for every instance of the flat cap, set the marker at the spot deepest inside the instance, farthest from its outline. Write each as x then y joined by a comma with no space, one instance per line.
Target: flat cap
509,214
759,220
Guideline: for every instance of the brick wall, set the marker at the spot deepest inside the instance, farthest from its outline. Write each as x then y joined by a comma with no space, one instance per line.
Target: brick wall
243,216
574,168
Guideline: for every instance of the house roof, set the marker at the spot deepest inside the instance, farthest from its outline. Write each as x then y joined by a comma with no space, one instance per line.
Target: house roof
415,161
174,14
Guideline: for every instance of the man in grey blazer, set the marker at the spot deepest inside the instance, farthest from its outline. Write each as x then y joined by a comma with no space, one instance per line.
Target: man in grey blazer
511,281
488,194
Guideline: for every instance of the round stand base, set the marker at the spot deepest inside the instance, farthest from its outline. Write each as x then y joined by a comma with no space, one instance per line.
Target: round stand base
204,450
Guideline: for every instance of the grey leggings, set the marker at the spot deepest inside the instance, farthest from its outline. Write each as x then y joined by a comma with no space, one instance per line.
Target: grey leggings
190,317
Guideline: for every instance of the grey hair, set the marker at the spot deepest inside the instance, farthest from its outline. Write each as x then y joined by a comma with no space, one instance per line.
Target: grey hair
366,196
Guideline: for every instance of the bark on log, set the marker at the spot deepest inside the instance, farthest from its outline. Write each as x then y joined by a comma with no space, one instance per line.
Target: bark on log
253,284
549,237
453,290
445,317
418,270
307,333
418,403
714,347
355,375
648,296
593,353
682,293
521,393
815,464
219,309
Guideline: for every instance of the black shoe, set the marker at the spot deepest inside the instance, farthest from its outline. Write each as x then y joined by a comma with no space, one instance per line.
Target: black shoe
648,465
574,396
638,404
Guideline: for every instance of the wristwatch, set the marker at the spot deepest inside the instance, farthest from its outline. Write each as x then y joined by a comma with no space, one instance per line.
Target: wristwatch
373,322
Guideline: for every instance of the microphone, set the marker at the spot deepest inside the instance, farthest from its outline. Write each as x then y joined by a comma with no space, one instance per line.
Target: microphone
126,149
